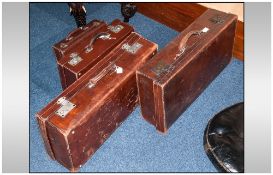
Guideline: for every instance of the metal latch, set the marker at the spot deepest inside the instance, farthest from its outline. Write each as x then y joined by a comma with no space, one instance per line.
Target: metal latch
106,37
131,49
116,28
66,107
75,59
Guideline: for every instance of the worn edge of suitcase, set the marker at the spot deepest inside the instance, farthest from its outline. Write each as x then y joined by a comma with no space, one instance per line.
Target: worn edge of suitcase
161,125
69,89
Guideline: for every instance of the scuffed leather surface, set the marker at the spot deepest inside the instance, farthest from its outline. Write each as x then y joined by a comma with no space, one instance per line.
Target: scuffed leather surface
224,139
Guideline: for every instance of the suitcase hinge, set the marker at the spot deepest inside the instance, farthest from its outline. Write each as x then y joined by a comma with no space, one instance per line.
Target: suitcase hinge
116,28
131,49
66,107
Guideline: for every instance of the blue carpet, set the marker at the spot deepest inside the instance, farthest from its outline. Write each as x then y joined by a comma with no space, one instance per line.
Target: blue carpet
135,146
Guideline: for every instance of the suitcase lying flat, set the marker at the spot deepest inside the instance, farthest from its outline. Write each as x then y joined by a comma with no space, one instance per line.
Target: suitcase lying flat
78,38
94,46
178,74
84,115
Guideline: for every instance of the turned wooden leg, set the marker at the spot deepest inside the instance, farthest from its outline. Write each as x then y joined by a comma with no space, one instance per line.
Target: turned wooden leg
79,13
128,10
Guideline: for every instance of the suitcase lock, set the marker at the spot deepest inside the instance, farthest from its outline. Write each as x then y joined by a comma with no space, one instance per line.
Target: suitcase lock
131,49
116,28
75,59
66,107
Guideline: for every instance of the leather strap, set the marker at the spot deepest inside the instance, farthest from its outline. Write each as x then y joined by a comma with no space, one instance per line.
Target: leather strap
93,81
183,43
93,39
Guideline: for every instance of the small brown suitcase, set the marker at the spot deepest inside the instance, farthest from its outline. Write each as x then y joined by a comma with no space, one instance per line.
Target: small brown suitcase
94,46
178,74
84,115
78,38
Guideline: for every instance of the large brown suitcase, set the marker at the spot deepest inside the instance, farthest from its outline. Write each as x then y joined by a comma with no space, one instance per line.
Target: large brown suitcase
84,115
178,74
92,48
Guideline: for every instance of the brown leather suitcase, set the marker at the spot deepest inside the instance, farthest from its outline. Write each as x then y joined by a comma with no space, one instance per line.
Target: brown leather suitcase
181,71
78,38
84,115
94,46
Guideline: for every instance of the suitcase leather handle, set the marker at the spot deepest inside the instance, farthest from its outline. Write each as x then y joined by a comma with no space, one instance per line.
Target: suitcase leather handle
111,67
103,35
162,67
183,43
